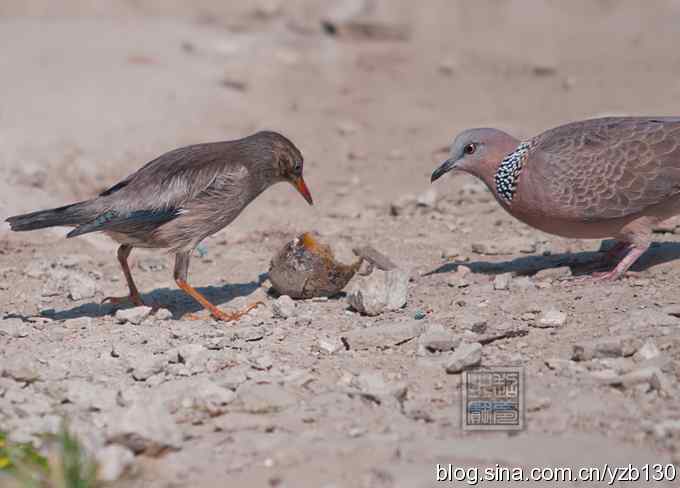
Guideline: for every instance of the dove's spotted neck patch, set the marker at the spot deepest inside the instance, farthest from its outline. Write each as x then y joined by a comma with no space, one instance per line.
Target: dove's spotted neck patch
508,172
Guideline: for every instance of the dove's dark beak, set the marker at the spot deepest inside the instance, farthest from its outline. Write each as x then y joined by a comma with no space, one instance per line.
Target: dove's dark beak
445,167
301,186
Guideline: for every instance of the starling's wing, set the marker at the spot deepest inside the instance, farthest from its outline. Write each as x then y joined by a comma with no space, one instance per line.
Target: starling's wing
608,168
158,192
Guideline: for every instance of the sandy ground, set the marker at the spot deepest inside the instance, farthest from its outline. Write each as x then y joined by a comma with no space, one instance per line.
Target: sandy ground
89,93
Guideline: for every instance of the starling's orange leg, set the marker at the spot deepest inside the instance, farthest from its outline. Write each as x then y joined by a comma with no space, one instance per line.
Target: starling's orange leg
181,272
134,297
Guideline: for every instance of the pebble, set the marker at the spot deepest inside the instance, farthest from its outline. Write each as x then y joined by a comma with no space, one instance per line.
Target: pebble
551,318
523,283
261,362
211,398
15,328
553,273
427,199
262,398
609,347
673,310
648,351
19,372
78,323
135,315
474,323
652,318
464,357
419,315
80,286
384,336
145,427
283,307
330,346
379,292
451,253
113,461
502,281
163,314
436,338
506,246
145,367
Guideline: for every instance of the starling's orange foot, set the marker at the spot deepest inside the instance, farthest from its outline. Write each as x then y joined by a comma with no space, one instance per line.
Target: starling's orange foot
225,316
134,299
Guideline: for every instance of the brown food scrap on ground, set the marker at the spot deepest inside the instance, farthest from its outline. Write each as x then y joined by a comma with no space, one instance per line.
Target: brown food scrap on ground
306,267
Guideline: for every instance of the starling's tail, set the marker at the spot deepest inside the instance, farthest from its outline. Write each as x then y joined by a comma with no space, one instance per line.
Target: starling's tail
74,214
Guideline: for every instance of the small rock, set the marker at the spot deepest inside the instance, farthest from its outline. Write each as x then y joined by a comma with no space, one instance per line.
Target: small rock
384,336
113,462
78,323
264,398
373,384
19,372
15,328
192,356
80,286
163,314
419,315
473,323
553,273
523,283
283,307
502,281
261,362
147,366
673,310
402,205
505,246
330,346
652,318
464,357
381,291
457,282
146,427
610,347
451,253
436,338
551,318
647,352
135,315
427,199
212,398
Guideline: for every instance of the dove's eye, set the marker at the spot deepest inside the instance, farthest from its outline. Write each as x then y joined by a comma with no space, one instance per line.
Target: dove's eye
470,148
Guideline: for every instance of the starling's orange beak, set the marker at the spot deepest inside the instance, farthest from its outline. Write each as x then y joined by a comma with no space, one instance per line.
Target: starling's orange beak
301,186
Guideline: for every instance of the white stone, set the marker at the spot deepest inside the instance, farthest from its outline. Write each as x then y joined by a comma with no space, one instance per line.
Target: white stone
381,291
113,461
283,307
464,357
134,315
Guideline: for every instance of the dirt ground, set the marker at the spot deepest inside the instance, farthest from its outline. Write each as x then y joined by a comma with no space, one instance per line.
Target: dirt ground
91,91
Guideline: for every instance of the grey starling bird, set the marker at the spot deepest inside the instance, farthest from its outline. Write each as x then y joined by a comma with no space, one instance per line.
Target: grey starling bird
179,199
612,177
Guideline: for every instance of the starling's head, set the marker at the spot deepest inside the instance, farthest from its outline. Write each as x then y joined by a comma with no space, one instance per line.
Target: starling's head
477,151
287,162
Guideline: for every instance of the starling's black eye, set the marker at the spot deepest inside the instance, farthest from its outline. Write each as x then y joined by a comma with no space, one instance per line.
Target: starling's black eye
470,148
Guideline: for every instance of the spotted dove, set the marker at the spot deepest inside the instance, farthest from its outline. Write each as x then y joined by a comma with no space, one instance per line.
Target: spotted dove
612,177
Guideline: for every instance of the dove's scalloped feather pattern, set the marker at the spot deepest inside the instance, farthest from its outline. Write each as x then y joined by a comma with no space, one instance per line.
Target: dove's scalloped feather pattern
608,168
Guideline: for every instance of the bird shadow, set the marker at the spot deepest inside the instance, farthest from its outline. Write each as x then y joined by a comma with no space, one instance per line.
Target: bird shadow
581,263
175,300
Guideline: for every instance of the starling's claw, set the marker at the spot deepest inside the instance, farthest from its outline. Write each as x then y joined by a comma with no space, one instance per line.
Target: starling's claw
134,299
224,316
